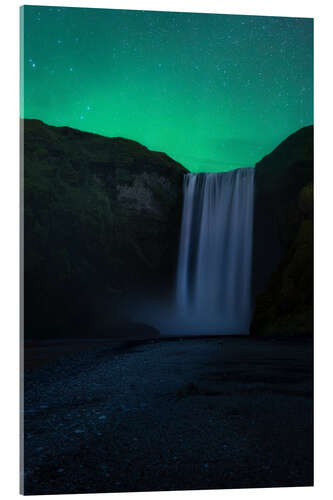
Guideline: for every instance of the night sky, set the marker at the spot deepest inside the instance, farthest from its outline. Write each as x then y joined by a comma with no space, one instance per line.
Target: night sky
214,92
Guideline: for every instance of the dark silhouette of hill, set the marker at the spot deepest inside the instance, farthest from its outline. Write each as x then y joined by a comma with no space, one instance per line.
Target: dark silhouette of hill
283,238
101,222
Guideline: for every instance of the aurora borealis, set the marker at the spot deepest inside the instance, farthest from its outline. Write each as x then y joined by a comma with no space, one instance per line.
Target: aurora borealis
214,92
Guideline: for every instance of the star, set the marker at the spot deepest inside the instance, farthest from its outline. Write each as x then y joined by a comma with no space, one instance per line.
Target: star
246,62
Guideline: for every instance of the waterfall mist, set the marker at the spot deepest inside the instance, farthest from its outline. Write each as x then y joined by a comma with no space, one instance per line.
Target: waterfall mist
213,292
213,285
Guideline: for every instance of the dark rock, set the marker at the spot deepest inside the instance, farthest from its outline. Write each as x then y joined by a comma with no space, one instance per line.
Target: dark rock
128,331
101,223
283,239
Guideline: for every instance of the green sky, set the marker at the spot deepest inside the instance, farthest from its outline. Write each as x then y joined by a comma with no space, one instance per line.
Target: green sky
214,92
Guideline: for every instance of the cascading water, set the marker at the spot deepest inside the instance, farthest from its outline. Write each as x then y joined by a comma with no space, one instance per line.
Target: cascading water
215,258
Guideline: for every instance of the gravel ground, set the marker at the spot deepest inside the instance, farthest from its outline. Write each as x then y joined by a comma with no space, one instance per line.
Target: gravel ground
231,412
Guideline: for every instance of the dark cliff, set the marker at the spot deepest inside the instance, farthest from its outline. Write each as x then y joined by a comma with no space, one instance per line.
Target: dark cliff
101,222
283,238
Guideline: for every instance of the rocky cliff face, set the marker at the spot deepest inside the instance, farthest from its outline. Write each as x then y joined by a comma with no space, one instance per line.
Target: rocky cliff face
283,238
102,220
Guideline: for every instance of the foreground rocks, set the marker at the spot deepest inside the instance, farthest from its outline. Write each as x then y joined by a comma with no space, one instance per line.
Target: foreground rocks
215,413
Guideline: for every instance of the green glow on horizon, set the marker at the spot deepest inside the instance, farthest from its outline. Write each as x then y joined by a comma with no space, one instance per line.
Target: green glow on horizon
214,92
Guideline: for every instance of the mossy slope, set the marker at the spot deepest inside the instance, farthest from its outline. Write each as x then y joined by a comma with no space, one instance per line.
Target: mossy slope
101,223
283,239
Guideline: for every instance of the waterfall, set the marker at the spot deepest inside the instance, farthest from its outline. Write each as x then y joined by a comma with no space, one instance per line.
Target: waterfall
213,292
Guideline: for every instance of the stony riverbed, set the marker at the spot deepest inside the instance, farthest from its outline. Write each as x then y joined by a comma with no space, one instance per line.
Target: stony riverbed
229,412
